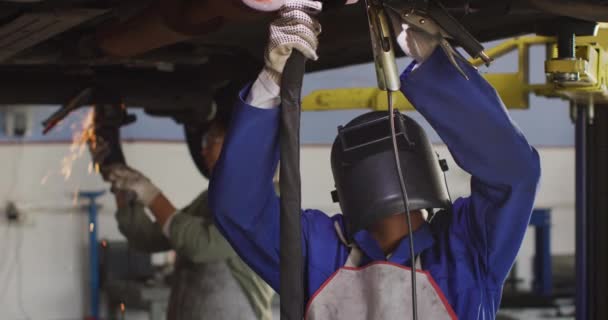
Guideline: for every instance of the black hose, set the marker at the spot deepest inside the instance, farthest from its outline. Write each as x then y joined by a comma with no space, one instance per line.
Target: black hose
291,289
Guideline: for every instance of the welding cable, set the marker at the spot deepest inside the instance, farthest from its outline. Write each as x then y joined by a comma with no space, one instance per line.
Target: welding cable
291,259
391,110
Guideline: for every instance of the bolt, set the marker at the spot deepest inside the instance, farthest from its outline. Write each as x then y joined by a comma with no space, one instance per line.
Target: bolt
422,21
564,77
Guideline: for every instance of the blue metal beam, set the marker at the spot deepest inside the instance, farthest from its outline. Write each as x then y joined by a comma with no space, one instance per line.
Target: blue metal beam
92,208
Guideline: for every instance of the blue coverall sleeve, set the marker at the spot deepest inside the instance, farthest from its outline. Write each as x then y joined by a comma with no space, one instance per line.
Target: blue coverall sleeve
472,120
242,197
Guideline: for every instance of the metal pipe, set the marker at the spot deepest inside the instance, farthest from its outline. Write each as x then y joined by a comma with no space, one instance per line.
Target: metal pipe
92,207
170,22
566,44
597,237
581,212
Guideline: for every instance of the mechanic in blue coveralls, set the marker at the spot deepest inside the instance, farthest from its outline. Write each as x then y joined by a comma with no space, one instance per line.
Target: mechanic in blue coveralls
356,262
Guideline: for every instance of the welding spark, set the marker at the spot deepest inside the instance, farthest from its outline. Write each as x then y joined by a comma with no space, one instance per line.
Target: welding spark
81,134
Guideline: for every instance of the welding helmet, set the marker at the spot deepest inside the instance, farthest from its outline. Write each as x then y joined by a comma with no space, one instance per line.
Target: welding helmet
365,175
219,110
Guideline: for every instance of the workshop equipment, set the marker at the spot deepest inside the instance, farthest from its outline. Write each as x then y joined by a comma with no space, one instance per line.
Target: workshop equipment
382,40
542,294
128,276
74,103
92,209
451,28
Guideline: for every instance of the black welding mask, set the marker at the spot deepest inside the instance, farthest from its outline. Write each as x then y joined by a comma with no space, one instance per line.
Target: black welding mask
365,175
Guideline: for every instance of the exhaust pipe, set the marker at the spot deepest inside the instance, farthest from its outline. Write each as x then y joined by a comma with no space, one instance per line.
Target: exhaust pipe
168,22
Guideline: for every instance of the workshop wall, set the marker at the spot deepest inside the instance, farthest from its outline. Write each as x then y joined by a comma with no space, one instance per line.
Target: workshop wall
46,259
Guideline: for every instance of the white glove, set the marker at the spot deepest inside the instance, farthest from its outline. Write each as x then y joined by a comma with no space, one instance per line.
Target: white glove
295,28
128,179
417,36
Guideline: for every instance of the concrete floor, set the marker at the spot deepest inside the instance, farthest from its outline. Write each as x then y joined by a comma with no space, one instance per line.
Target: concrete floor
525,314
522,314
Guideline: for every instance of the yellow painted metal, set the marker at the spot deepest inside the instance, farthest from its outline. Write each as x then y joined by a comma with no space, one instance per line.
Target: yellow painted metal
522,44
355,98
591,64
592,86
572,66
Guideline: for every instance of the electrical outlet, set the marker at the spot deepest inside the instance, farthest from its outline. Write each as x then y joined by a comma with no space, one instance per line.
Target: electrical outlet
15,216
11,212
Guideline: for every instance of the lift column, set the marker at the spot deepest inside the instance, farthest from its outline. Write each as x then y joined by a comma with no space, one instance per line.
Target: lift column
591,211
92,208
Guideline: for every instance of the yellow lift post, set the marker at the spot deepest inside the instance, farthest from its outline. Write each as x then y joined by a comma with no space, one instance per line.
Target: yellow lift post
589,69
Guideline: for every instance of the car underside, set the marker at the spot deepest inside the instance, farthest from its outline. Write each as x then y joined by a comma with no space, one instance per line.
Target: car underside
169,57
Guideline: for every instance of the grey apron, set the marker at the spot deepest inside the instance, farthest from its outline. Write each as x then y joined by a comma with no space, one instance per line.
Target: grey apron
378,291
207,291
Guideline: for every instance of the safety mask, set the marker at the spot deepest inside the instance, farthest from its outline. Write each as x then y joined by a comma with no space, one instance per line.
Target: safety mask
363,166
195,134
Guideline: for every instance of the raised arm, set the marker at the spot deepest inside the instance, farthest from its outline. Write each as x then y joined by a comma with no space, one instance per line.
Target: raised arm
241,192
473,122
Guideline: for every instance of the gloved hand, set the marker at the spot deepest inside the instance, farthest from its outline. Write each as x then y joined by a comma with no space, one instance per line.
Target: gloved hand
295,28
127,179
417,36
